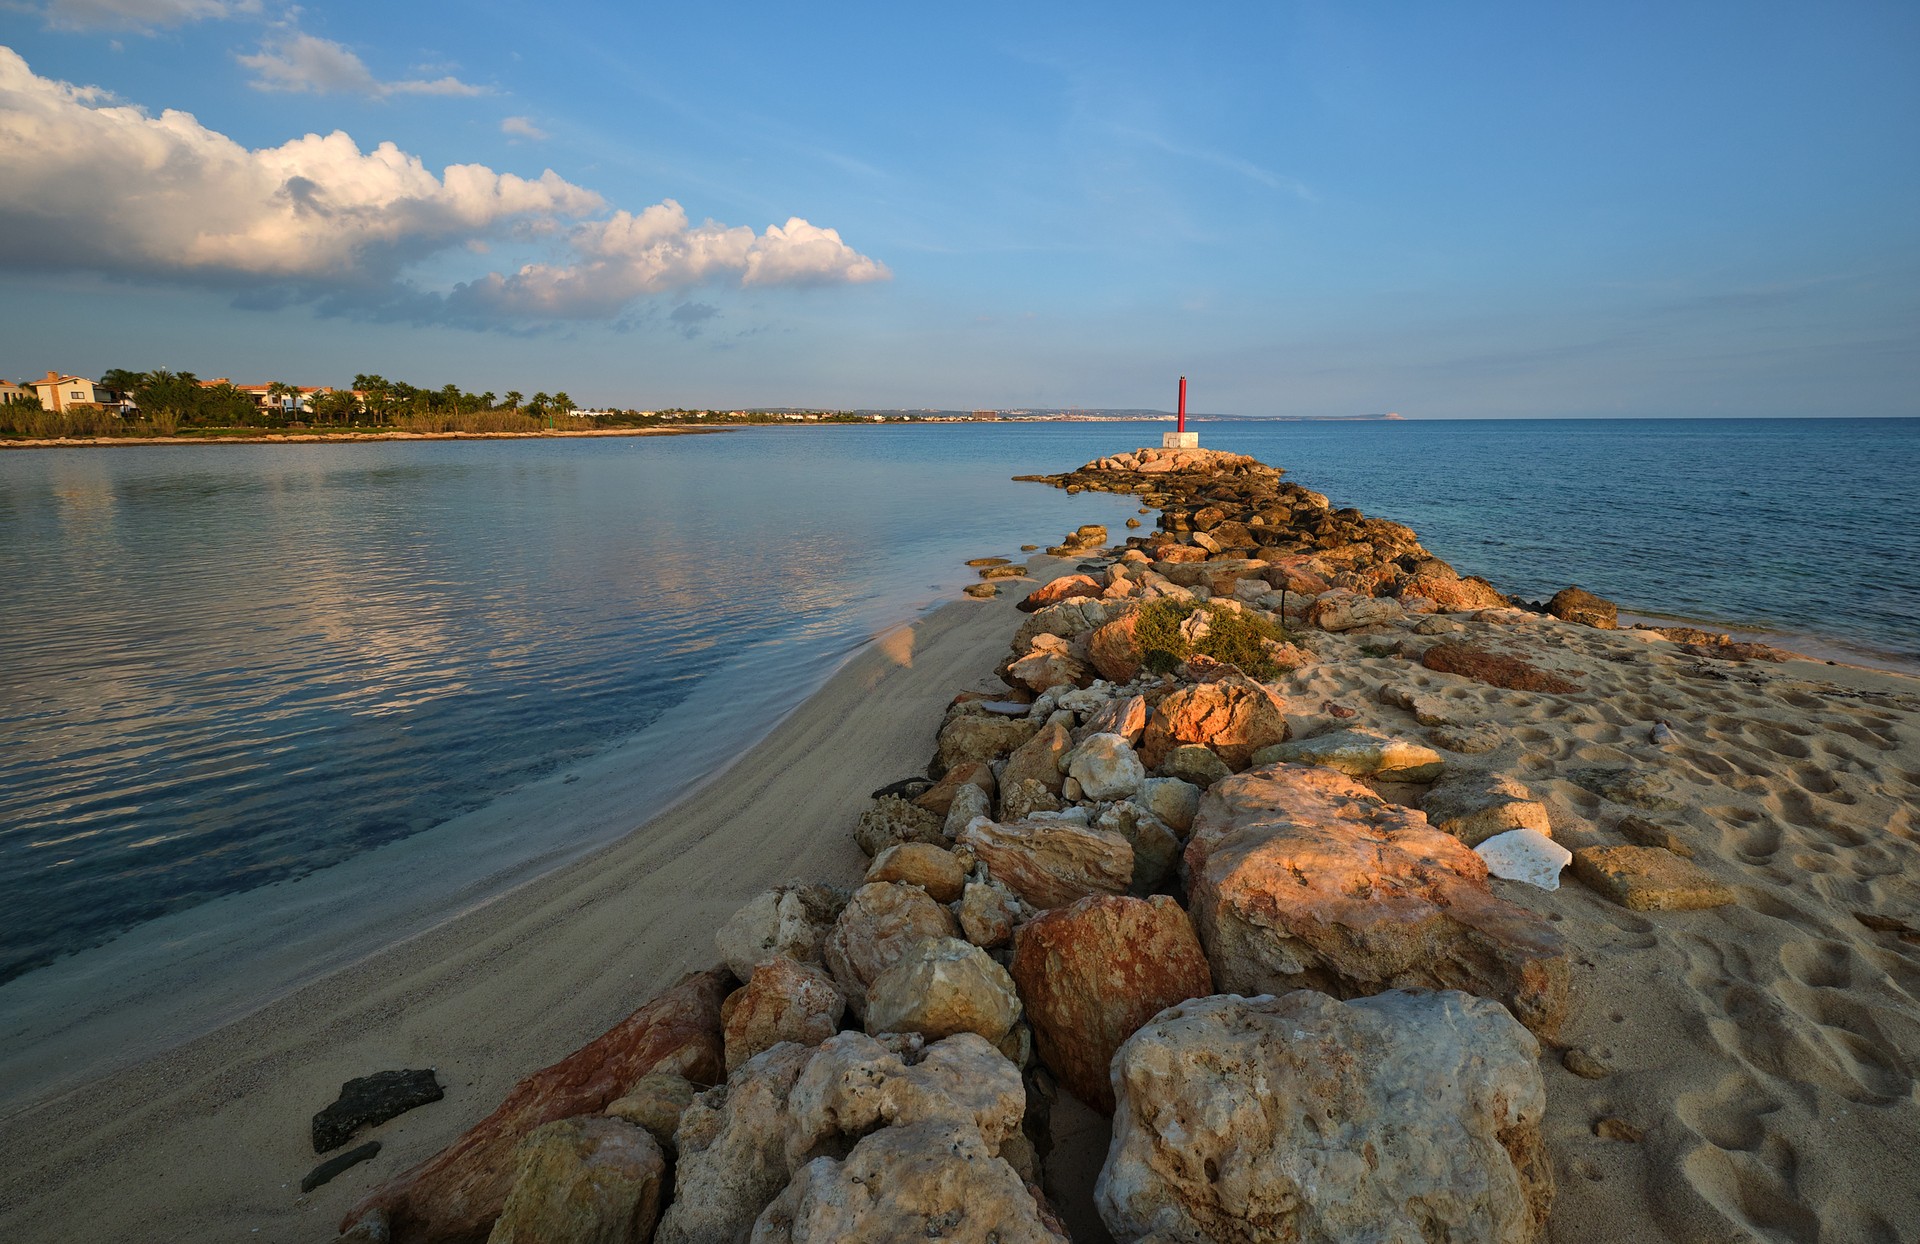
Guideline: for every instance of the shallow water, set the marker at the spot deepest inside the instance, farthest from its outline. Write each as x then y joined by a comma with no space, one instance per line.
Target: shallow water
230,665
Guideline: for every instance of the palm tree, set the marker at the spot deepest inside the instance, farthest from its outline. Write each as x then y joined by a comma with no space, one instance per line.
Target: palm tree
486,399
513,398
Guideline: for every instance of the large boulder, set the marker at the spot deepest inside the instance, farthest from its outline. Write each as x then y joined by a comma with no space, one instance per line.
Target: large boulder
1032,780
732,1146
1344,610
882,922
1114,650
656,1104
1301,878
988,913
1092,973
1476,806
1051,662
922,1181
1106,767
1051,863
976,738
454,1196
789,921
785,1001
588,1180
892,820
938,798
1234,717
1125,716
1156,848
1360,753
1438,582
1409,1116
936,870
1171,800
940,987
1574,604
1065,588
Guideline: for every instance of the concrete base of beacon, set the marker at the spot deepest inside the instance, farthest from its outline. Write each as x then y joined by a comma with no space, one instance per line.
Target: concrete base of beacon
1180,440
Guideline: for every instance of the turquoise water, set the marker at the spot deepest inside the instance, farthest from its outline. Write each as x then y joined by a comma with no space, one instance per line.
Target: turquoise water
226,666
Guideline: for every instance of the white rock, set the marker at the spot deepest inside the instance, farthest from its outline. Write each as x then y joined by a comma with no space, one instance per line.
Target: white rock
1525,855
1106,767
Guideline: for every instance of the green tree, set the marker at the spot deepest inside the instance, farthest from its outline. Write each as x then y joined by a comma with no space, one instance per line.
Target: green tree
513,398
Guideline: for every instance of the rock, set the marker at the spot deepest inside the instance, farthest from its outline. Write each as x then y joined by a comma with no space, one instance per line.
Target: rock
368,1100
977,562
1525,855
1003,572
1090,974
923,1181
656,1104
1172,800
1472,739
934,869
1233,717
1637,788
1114,651
1062,589
1156,848
1050,663
733,1150
1585,1064
1493,669
938,798
1438,625
893,820
790,921
1572,604
1359,753
1344,611
1476,805
1051,864
1125,716
988,913
881,923
1644,833
1648,879
942,986
1440,583
590,1180
1195,765
1301,878
1738,651
1039,760
1613,1128
1408,1116
1428,710
456,1194
328,1170
981,591
970,802
973,738
785,1001
1106,767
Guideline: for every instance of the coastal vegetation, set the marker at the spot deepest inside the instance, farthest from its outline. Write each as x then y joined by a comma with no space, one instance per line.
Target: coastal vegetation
1169,631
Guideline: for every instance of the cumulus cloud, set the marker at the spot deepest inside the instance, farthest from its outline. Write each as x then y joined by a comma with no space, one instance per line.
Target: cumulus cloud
317,219
140,14
522,127
300,62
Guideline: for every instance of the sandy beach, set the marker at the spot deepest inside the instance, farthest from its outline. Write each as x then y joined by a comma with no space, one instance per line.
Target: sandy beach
209,1141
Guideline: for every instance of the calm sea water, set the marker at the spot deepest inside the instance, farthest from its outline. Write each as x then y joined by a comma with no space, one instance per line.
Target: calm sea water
225,666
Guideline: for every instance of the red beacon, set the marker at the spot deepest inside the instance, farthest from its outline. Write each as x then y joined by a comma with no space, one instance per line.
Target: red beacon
1180,438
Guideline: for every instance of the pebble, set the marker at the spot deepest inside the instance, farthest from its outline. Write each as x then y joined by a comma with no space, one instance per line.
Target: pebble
1585,1064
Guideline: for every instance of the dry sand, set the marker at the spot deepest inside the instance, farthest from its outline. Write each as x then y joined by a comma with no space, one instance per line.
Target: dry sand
1766,1051
209,1140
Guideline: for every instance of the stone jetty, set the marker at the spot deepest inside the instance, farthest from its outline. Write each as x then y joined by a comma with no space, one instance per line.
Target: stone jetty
1152,870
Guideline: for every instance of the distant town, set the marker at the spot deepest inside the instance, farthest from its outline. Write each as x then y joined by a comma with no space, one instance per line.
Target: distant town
122,403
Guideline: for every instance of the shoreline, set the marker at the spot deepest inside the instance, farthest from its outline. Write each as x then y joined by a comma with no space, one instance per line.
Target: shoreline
504,983
344,438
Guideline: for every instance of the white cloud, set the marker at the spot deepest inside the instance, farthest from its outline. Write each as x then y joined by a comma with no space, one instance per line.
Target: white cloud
318,219
521,127
627,256
140,14
300,62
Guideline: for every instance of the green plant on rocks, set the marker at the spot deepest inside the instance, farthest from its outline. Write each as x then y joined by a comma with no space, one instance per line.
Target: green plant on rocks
1164,634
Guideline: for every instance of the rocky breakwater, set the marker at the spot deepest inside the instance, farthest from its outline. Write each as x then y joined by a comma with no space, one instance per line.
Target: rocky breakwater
1150,866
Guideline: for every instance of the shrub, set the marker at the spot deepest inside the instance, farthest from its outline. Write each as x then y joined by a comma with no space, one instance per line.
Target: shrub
1237,637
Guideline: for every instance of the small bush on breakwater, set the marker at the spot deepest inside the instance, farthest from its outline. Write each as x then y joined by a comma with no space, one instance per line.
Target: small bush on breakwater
1164,634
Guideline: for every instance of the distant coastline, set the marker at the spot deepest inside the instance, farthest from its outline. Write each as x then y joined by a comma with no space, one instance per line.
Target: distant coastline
245,436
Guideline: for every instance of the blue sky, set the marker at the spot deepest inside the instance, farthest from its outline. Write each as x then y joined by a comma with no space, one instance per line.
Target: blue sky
1460,210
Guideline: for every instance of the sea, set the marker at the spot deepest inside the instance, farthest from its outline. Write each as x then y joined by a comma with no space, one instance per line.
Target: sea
227,667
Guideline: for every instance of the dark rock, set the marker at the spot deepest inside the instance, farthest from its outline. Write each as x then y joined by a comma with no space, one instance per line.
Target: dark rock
1494,669
370,1100
905,788
337,1163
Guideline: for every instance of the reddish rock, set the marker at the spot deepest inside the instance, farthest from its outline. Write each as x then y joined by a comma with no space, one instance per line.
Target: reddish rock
1440,583
785,1001
1574,604
1091,974
1114,651
454,1196
1301,878
1051,863
1494,669
1068,587
1300,576
1233,716
1181,553
1126,717
938,799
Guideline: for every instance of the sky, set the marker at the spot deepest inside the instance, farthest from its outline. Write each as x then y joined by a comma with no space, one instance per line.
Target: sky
1461,210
